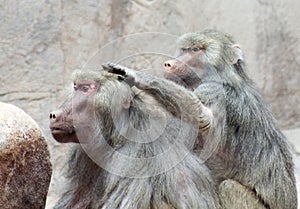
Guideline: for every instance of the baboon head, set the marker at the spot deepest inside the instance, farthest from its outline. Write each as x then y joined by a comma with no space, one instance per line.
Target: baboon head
82,111
197,51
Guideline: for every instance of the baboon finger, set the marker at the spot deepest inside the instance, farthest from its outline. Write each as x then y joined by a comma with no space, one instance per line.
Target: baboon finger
114,68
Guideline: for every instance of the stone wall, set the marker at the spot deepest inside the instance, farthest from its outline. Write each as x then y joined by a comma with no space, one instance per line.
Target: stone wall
42,42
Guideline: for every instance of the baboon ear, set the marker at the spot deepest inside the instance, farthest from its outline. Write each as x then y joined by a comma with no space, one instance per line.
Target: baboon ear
237,53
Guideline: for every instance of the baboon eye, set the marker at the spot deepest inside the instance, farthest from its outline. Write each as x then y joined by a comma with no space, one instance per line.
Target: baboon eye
184,49
85,88
196,49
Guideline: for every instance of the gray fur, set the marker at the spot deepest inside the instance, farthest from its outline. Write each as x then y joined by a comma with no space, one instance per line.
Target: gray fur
243,144
186,185
252,150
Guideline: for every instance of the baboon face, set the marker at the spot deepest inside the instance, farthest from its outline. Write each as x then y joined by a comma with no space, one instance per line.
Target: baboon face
79,108
183,67
199,50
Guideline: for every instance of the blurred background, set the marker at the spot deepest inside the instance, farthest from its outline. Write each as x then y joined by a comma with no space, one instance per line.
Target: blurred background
42,42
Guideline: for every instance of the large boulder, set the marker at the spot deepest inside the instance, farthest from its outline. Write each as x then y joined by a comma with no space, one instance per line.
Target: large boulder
25,168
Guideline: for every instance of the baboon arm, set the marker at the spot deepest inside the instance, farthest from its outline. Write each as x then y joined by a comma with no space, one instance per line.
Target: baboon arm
178,100
212,95
233,195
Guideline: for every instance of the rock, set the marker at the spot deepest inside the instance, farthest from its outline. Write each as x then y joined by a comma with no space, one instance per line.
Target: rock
293,136
24,160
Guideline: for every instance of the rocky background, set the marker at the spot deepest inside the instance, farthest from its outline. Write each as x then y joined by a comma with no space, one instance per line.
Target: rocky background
42,42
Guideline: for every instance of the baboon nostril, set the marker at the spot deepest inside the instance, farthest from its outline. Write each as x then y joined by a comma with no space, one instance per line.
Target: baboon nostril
52,116
167,64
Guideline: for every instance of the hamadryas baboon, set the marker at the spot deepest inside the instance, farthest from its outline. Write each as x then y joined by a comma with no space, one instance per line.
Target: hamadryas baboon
250,159
114,168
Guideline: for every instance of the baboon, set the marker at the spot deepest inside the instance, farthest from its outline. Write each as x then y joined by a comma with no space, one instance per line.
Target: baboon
111,168
250,161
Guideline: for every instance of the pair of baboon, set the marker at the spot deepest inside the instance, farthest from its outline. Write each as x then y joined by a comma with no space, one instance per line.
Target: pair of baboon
220,147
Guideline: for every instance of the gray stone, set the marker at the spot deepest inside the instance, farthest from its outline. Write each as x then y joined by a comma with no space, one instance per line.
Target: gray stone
24,160
293,135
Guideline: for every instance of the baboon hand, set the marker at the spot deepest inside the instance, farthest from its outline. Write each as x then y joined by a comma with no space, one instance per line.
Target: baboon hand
131,76
119,69
206,118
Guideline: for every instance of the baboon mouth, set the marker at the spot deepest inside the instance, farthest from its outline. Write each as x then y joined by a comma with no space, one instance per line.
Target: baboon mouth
62,132
57,130
64,135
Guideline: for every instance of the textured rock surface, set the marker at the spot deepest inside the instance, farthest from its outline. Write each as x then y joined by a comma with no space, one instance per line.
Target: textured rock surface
42,42
25,168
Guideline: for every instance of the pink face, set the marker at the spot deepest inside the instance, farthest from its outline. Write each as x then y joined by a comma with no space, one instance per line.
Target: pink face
182,68
78,108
